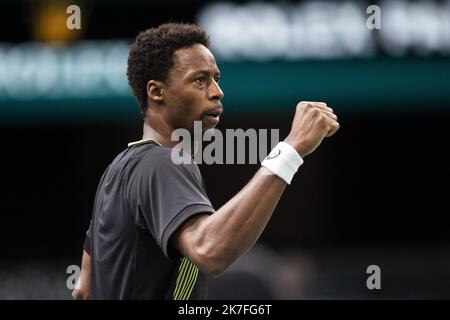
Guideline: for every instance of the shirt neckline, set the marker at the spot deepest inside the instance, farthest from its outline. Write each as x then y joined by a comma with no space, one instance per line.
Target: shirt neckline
142,141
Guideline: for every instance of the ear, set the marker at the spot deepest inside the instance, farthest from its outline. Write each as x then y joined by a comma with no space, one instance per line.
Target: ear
155,90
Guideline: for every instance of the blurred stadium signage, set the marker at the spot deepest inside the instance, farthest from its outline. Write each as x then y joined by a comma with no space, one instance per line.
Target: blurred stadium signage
339,58
325,29
86,69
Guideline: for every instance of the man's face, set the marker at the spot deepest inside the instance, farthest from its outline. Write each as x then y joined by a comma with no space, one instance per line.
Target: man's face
192,92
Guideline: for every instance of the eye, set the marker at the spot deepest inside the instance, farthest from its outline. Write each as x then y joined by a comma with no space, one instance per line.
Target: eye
200,80
217,79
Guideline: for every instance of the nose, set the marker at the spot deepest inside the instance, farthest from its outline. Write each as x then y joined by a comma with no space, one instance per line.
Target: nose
215,93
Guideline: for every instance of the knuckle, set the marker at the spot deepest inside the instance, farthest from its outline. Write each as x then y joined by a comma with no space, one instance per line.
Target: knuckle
324,104
316,112
334,127
304,104
322,117
323,122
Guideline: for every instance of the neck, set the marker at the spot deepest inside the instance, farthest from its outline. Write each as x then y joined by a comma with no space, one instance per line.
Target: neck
158,130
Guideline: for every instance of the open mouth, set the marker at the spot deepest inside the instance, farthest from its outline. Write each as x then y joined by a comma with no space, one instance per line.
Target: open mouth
213,116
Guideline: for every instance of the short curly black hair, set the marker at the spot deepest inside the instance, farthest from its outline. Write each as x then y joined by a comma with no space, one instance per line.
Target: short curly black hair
151,55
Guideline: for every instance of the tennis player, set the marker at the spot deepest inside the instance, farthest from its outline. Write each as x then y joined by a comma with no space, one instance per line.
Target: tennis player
154,233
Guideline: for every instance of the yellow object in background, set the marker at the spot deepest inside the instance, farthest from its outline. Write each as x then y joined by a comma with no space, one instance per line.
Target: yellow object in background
48,22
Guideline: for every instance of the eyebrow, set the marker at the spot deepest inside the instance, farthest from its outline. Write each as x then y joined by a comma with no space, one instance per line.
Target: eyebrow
205,71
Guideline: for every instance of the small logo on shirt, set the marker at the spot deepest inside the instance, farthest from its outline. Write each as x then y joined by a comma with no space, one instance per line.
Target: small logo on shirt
273,156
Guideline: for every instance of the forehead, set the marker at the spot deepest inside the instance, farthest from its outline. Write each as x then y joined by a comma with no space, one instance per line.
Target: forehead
194,58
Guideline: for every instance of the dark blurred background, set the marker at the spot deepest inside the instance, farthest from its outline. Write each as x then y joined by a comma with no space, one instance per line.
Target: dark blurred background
374,194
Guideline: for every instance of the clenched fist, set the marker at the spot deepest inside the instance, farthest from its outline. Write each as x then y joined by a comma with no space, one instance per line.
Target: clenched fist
313,121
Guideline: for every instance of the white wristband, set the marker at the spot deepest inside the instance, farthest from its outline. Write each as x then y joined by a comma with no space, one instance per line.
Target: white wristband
283,161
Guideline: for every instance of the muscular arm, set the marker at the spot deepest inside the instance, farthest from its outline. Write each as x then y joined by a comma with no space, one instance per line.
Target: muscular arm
214,242
82,288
